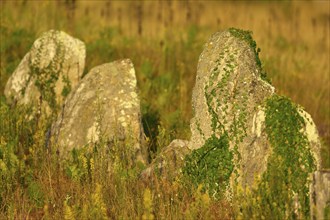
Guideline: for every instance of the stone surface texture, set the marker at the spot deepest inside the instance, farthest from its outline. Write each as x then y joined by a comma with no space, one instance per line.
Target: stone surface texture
239,96
313,137
320,191
54,52
168,162
229,97
104,104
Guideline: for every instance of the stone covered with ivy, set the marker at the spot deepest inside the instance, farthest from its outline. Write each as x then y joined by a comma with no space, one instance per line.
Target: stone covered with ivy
227,102
243,133
104,108
49,71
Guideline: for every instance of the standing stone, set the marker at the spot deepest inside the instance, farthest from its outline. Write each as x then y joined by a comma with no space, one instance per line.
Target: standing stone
243,130
104,105
49,71
227,98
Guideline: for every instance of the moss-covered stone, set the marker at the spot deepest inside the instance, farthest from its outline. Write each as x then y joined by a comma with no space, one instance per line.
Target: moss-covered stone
241,126
211,166
226,97
284,186
105,108
247,37
48,72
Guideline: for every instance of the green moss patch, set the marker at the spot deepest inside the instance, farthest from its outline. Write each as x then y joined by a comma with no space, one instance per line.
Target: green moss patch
47,77
283,190
211,166
213,163
247,37
291,161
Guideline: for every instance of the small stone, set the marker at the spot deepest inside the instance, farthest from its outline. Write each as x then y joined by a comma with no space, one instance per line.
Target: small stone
167,162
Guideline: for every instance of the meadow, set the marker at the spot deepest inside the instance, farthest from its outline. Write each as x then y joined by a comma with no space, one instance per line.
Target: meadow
164,40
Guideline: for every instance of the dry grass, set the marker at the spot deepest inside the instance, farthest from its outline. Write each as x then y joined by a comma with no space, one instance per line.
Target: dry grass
164,40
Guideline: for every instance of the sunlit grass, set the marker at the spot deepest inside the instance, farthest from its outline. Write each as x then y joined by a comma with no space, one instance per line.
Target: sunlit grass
164,41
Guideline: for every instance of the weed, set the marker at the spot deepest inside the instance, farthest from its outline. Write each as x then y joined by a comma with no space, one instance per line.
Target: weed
147,201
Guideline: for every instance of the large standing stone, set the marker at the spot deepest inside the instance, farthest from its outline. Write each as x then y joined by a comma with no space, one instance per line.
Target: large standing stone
49,71
104,105
226,97
229,100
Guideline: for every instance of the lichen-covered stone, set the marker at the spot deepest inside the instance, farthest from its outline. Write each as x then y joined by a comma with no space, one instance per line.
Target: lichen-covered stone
169,161
312,134
227,99
320,195
232,100
49,71
104,105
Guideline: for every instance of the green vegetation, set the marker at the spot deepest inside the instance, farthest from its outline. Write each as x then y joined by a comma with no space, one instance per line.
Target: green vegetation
210,166
247,36
213,163
291,155
282,191
96,182
46,78
164,44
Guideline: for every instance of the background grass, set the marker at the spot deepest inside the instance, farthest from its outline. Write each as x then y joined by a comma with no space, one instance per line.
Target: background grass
164,40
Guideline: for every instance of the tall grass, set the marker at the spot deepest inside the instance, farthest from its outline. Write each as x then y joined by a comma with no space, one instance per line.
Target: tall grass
164,40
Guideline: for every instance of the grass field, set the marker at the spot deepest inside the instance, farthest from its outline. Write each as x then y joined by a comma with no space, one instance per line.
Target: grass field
164,40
